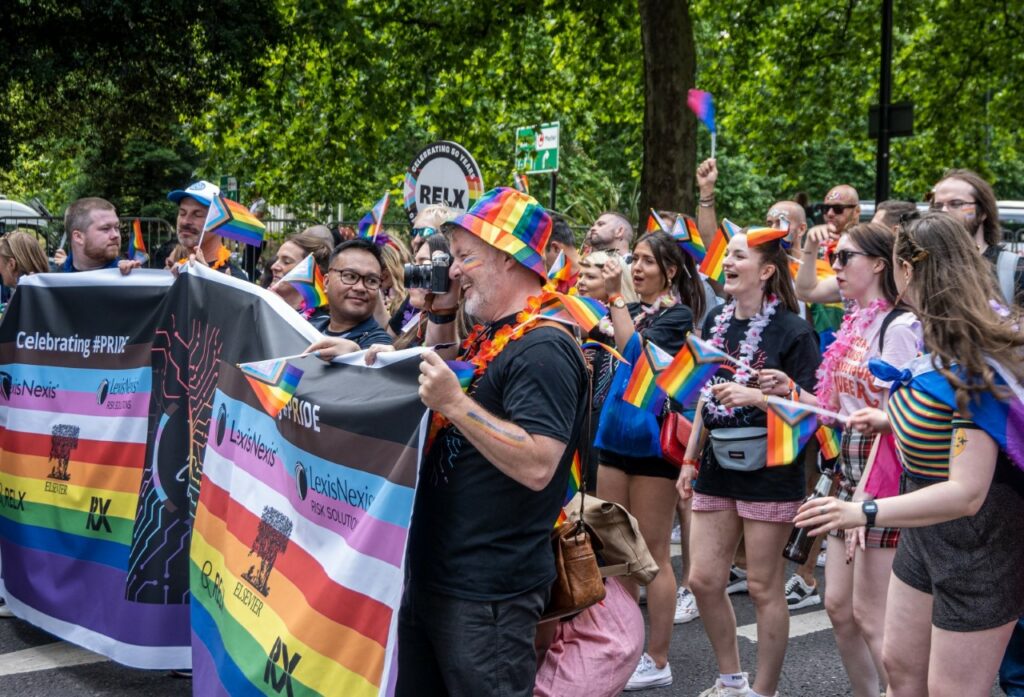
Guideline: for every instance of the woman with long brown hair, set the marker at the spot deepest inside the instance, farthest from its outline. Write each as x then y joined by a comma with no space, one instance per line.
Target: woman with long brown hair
735,493
958,578
20,255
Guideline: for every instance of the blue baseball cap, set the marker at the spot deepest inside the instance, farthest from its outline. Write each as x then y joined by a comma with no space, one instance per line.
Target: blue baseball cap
202,191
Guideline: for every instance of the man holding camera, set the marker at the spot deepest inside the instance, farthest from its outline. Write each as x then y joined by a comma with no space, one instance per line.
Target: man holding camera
352,281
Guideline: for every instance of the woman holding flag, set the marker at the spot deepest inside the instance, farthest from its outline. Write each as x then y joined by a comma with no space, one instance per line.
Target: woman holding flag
877,327
670,296
733,491
956,414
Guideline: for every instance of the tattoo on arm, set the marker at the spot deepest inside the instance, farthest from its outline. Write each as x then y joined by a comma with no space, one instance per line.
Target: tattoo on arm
501,434
959,440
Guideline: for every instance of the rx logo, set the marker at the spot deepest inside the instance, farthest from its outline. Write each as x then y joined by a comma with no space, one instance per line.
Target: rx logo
279,655
98,514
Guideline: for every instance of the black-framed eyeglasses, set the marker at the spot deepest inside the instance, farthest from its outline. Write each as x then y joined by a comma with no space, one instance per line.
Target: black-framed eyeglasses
350,278
836,208
424,232
953,205
843,257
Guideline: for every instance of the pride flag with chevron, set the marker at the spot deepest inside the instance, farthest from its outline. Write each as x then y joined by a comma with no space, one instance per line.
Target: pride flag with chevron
274,382
655,223
789,429
232,220
642,391
715,256
692,367
371,224
303,286
685,232
579,310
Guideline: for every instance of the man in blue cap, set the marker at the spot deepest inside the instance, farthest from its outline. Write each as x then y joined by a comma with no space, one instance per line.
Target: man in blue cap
193,205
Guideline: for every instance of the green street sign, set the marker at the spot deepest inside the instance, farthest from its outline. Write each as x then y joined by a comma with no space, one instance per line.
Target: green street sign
229,187
537,148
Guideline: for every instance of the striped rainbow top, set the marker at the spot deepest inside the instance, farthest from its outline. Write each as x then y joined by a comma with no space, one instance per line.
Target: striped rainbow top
923,429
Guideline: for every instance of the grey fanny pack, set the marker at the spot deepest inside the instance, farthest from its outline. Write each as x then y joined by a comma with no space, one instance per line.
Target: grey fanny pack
740,449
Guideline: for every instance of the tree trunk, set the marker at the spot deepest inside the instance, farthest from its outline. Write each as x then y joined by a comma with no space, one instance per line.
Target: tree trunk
670,128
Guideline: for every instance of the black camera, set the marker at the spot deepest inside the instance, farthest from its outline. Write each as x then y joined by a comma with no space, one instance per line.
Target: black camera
433,276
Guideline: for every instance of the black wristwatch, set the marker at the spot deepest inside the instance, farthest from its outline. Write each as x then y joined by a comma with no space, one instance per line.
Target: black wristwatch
870,509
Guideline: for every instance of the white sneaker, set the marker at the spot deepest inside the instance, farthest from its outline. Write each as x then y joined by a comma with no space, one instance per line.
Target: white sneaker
686,606
677,535
5,611
648,675
799,594
720,690
737,581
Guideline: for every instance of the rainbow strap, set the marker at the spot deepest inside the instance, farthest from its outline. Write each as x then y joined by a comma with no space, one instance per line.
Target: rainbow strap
692,367
789,429
274,381
233,221
308,281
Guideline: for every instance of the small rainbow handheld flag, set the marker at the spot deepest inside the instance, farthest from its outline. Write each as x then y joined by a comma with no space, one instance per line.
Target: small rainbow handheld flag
136,246
685,232
610,349
575,479
789,429
655,223
521,183
658,358
274,381
464,371
370,225
582,311
561,269
641,390
692,367
307,281
230,219
828,439
703,106
712,264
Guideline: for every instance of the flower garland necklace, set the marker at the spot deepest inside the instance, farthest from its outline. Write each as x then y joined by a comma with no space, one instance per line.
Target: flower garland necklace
854,325
748,347
664,301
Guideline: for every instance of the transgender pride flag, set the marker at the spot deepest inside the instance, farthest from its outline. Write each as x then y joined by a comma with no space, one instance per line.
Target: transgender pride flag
299,541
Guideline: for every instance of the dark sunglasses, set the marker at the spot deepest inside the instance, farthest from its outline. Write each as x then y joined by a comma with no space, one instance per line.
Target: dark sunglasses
836,208
843,256
423,231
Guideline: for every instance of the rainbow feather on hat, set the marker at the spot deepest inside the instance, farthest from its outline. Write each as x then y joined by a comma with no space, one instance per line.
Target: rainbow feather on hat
303,286
232,220
372,223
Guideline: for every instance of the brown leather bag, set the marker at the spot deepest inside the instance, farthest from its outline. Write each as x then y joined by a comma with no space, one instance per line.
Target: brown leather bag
578,583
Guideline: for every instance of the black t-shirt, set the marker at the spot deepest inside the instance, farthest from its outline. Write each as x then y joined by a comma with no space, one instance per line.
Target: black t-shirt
477,534
789,345
366,333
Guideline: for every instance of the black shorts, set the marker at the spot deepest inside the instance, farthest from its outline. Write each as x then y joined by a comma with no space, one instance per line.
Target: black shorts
973,567
640,466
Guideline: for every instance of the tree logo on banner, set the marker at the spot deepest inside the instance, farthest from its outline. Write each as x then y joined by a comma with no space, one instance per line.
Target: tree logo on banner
271,539
63,439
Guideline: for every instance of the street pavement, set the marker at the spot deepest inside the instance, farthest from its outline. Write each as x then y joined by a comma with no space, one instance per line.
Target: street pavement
33,663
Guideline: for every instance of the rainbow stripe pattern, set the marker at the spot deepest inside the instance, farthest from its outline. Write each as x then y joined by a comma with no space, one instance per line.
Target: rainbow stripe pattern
789,429
642,391
715,255
828,439
521,182
296,569
691,368
307,282
703,106
579,310
685,232
274,381
561,270
655,223
573,485
136,245
464,371
513,222
232,220
371,224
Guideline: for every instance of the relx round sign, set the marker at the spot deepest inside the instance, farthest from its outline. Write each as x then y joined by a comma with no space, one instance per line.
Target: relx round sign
442,173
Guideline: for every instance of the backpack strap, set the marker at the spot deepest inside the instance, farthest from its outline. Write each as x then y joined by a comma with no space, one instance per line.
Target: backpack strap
893,314
1006,270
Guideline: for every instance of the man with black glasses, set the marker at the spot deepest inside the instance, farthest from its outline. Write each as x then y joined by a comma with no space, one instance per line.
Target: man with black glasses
353,279
970,199
841,209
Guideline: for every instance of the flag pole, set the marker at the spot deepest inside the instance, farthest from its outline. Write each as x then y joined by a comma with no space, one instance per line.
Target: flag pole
282,358
772,399
714,137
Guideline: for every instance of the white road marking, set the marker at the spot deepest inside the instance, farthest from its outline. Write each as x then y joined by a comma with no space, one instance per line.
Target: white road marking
46,657
807,623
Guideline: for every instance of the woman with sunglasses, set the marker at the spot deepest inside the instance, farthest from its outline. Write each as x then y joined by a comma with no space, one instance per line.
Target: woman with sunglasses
735,493
957,586
876,326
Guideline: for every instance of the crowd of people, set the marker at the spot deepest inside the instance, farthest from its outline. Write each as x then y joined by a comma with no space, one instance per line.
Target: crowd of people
911,340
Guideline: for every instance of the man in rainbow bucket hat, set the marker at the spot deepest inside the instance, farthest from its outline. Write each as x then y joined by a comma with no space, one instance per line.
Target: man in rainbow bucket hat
496,465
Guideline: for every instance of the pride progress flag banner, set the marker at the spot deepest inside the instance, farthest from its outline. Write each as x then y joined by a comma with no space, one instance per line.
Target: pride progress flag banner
299,538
